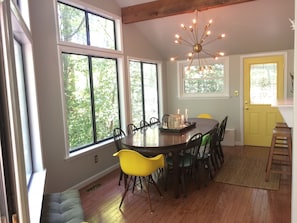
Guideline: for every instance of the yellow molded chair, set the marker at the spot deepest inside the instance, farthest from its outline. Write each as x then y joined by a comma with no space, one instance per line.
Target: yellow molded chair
204,115
134,164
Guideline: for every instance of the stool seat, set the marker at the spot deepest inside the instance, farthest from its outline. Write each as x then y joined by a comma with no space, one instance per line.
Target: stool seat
281,125
280,153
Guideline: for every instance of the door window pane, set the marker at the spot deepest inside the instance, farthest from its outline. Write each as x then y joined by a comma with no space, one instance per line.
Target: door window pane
263,83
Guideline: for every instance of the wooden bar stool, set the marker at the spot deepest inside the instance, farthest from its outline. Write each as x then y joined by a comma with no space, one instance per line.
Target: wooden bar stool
280,153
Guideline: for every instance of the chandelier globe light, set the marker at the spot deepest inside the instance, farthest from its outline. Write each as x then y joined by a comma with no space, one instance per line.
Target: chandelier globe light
198,42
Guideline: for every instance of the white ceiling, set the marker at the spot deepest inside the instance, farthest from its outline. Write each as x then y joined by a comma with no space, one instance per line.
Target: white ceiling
251,27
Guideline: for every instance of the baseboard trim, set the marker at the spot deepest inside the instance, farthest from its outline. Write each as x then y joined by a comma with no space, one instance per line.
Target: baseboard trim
95,177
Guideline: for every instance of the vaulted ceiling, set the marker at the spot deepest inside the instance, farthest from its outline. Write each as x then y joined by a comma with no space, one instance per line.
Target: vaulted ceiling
251,26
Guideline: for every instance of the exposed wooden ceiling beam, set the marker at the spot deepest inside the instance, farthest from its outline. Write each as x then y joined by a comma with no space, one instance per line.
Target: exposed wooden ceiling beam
163,8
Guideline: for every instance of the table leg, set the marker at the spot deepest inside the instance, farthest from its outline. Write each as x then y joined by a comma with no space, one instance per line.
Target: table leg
176,173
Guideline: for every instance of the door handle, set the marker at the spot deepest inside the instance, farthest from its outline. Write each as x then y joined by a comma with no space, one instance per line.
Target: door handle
246,108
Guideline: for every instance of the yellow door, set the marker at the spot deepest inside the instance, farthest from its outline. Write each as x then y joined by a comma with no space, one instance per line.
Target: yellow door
263,85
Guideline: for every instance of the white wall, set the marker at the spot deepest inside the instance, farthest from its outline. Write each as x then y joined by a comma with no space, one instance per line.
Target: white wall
65,173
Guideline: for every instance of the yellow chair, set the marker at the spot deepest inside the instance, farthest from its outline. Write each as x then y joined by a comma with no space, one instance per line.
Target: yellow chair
204,115
134,164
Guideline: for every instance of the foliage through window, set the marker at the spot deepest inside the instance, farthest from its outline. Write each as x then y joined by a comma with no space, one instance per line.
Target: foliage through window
91,86
86,28
207,80
143,90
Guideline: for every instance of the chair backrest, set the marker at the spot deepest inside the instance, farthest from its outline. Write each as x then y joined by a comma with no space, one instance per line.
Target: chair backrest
131,128
214,139
135,164
154,120
209,141
143,124
192,148
205,115
222,128
194,143
118,134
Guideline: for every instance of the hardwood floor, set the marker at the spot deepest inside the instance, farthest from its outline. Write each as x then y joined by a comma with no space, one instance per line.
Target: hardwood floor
217,202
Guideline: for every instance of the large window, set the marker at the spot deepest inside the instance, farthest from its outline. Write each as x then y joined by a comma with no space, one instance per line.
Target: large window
20,139
143,90
207,80
90,60
21,83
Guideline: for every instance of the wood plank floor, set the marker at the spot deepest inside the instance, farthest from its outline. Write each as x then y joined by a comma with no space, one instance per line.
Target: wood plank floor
217,202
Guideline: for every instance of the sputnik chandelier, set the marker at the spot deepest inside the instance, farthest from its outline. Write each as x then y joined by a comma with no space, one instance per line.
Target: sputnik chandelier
198,42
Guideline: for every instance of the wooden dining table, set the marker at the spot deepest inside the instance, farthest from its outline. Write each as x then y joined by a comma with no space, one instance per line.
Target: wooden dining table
154,140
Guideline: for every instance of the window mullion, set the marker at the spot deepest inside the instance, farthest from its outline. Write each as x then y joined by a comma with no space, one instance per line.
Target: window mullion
142,89
92,99
87,28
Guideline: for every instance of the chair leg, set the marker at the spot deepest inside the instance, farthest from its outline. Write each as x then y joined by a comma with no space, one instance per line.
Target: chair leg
221,152
182,177
126,190
155,185
210,167
148,192
134,183
121,177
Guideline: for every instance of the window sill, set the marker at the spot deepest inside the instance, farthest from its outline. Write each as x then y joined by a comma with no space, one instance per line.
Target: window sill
35,195
88,149
204,97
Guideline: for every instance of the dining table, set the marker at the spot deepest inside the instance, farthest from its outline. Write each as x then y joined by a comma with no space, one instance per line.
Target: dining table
153,140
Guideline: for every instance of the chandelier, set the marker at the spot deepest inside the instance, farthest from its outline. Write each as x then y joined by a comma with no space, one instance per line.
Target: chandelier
198,42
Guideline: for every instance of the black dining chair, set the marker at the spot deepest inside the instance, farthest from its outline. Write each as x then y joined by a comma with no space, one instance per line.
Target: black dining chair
118,134
207,158
131,128
187,161
143,124
221,136
154,120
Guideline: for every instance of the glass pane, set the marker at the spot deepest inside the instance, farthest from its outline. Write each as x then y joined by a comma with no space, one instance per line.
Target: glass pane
23,110
206,80
105,89
136,92
204,86
150,90
72,24
101,32
78,100
263,83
